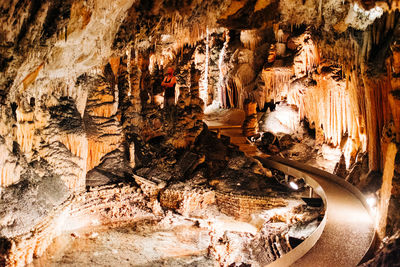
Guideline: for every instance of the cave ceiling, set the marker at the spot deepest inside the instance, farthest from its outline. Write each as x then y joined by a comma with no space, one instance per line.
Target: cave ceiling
41,37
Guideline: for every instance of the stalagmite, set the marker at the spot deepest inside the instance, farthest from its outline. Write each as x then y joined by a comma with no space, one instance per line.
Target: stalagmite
10,170
102,108
250,124
386,190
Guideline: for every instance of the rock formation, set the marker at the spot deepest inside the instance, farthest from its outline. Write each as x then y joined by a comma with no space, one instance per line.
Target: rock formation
84,132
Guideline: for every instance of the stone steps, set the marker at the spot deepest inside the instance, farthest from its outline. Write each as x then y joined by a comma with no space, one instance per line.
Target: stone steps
237,138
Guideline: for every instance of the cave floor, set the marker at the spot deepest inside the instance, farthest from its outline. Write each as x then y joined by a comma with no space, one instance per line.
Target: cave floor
152,243
139,244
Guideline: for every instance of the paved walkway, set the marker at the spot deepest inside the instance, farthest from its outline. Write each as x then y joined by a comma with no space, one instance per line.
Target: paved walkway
349,228
348,231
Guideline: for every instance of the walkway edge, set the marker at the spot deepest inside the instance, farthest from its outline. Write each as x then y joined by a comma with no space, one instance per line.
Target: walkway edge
312,170
298,252
298,169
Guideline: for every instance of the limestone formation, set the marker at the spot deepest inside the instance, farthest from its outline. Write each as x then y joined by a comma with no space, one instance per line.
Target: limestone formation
85,137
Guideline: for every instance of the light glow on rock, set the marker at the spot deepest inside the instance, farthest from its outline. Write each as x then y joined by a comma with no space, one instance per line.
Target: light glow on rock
372,14
294,185
371,201
360,18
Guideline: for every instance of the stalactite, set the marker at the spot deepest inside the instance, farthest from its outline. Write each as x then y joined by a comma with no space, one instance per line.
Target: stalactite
308,57
77,144
277,85
328,105
356,108
204,83
218,99
393,67
185,34
320,11
25,135
10,170
129,60
395,106
30,78
25,130
70,168
250,39
103,104
99,147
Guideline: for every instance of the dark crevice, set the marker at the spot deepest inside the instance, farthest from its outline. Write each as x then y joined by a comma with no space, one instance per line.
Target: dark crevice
34,8
58,11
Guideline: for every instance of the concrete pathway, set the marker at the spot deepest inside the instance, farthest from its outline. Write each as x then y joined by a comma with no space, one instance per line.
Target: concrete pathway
348,230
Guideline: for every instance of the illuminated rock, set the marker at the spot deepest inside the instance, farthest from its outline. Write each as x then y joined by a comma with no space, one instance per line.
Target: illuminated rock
81,108
10,170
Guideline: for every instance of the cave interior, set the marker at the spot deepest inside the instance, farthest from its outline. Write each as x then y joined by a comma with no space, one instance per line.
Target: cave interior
150,132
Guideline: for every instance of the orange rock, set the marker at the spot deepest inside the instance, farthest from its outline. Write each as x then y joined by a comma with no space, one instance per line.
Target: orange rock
114,62
396,58
80,17
31,77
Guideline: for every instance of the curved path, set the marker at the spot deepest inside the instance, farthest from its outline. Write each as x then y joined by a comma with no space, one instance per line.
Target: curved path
346,233
347,230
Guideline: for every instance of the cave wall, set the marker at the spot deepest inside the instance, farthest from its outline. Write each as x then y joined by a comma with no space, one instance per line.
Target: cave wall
77,80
